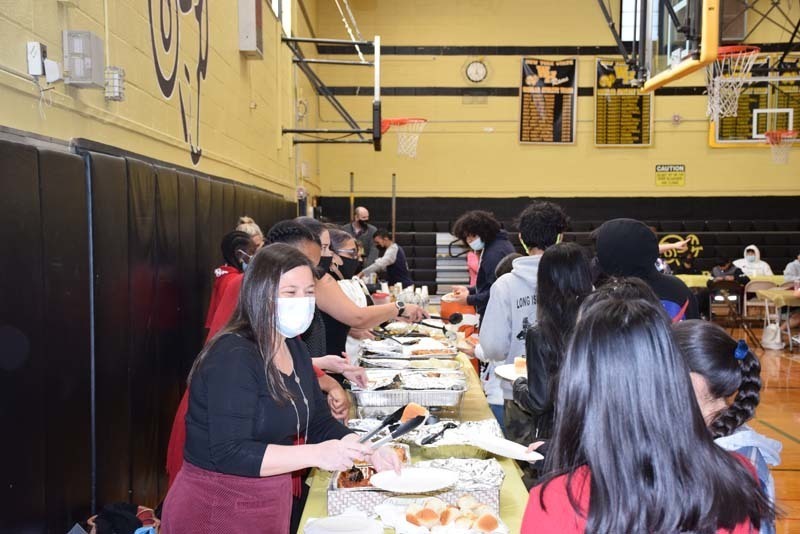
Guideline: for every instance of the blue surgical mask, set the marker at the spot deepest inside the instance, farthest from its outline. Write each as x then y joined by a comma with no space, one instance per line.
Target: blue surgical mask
751,258
476,244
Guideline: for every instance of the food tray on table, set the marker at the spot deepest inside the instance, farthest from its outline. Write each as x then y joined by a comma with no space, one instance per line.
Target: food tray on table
479,478
412,348
453,443
377,362
400,397
428,388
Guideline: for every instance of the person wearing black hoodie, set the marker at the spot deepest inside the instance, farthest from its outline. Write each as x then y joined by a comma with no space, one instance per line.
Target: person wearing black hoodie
481,231
627,247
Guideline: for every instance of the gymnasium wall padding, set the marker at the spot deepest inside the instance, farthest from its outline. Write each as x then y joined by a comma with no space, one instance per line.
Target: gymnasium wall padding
67,355
156,233
22,370
112,326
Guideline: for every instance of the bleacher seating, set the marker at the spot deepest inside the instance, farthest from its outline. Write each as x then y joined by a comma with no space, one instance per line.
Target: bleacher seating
778,240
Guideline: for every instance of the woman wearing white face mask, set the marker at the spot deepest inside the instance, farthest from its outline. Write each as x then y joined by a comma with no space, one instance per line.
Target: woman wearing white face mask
256,413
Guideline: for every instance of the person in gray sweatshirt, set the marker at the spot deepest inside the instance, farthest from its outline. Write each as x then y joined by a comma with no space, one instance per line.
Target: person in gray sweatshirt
511,309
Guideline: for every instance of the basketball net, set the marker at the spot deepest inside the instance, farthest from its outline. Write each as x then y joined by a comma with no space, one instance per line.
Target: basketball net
725,79
780,142
408,130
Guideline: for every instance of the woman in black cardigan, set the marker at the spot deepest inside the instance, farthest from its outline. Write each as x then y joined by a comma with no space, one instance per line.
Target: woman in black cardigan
256,413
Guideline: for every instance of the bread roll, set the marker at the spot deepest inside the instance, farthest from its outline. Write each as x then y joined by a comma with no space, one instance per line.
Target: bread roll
435,504
467,503
427,517
486,523
411,513
450,515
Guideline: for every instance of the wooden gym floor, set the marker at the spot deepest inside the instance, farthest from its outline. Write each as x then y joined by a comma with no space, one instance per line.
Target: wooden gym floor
778,416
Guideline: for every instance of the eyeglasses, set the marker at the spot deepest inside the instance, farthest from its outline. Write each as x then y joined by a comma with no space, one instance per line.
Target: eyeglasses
349,251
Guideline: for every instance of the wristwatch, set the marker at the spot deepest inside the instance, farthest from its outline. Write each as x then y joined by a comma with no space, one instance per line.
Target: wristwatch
401,307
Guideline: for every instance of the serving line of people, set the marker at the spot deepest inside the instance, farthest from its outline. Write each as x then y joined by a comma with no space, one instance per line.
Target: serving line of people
256,416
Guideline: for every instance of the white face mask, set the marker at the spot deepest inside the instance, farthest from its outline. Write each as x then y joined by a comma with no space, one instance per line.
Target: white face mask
295,315
751,258
476,244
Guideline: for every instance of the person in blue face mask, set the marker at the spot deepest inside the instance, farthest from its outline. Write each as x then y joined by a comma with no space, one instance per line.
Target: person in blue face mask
481,232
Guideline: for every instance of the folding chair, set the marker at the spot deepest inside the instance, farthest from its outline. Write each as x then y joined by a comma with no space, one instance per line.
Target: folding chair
749,302
730,292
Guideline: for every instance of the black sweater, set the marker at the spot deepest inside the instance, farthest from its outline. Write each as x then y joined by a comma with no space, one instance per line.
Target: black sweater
232,417
534,394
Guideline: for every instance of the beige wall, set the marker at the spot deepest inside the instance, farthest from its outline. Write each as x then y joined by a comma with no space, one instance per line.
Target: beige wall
243,105
472,149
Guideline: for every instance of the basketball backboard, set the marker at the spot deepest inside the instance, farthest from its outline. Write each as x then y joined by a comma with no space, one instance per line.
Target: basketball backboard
680,37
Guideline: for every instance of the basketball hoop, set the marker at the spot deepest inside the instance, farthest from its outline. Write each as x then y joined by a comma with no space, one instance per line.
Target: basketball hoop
725,78
781,141
408,130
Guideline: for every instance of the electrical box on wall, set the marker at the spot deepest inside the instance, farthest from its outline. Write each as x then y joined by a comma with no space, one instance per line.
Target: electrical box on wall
84,62
251,40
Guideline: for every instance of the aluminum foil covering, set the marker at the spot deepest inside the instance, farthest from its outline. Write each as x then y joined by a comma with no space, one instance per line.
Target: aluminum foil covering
453,436
440,379
473,474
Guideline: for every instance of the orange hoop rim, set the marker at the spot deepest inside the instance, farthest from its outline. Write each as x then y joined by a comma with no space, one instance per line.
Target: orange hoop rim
400,121
724,52
776,137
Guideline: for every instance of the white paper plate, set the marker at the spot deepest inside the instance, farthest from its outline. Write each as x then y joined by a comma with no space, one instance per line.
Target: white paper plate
344,524
504,447
509,372
414,480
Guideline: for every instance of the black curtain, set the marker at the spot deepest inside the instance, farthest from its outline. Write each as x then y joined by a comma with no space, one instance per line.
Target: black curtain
151,234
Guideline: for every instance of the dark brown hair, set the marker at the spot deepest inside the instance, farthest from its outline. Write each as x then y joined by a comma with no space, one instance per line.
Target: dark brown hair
255,317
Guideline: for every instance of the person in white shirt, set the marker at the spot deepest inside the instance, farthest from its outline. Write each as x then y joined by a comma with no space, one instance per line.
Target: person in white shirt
752,264
792,270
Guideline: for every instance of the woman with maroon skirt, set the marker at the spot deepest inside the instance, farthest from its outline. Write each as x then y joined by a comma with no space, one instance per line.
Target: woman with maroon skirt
256,413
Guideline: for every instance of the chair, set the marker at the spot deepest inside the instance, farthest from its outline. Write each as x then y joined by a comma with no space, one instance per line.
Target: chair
786,285
755,302
723,298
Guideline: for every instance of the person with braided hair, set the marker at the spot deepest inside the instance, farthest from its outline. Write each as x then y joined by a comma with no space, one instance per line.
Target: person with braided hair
719,368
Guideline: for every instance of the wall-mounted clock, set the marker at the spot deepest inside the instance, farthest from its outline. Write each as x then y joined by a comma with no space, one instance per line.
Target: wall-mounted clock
476,71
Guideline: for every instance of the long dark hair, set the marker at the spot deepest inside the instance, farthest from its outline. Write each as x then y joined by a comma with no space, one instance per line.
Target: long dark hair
710,352
255,317
625,409
563,281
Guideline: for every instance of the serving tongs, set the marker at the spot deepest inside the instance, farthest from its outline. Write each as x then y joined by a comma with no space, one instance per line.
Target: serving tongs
401,430
384,335
387,421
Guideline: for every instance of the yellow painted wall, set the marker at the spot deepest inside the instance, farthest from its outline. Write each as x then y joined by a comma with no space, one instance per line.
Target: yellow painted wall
472,149
244,102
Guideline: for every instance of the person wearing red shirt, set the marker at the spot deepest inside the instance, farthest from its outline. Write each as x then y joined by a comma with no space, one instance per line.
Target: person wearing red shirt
237,249
630,450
